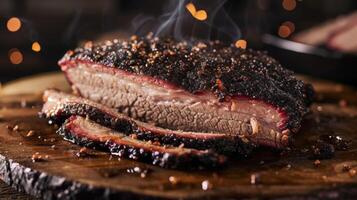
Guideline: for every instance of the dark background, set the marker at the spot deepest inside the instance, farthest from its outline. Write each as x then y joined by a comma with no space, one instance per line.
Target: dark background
59,25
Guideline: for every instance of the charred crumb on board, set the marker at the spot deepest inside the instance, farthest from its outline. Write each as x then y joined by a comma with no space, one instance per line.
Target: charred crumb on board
322,150
338,142
37,157
205,66
324,147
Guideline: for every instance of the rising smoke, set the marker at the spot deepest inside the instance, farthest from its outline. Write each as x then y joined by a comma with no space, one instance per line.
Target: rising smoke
179,23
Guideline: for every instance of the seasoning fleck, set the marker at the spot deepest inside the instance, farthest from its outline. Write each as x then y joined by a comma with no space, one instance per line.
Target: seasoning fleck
220,84
36,157
317,163
30,133
352,172
16,128
173,180
255,179
206,185
82,152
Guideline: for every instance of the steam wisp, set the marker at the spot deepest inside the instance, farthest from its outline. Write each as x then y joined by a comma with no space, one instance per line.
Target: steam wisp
191,20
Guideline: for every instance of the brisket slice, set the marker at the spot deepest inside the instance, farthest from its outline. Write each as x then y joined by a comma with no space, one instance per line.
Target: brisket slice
193,87
59,106
85,132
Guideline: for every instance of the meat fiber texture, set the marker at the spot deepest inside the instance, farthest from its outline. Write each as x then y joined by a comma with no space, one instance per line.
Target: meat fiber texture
202,86
59,106
85,132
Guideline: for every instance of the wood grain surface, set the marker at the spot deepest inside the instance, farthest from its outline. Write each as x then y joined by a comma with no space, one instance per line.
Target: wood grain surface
61,174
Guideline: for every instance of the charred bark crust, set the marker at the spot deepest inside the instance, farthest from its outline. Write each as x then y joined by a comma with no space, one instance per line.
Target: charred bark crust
208,160
212,66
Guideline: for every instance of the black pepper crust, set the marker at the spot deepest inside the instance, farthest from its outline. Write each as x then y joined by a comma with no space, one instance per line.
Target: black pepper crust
205,66
208,160
228,146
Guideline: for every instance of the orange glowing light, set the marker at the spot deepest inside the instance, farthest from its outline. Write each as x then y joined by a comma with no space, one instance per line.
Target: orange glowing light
191,8
198,14
36,47
13,24
289,4
15,56
241,44
284,31
290,25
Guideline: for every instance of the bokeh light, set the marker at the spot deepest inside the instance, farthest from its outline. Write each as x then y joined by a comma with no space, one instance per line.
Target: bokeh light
36,47
197,14
284,31
13,24
289,4
241,44
15,56
289,24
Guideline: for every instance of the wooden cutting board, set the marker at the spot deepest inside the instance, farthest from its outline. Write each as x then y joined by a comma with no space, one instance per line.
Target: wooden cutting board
61,174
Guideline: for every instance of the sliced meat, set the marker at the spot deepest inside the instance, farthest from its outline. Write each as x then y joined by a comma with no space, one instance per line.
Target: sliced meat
203,87
59,106
87,133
